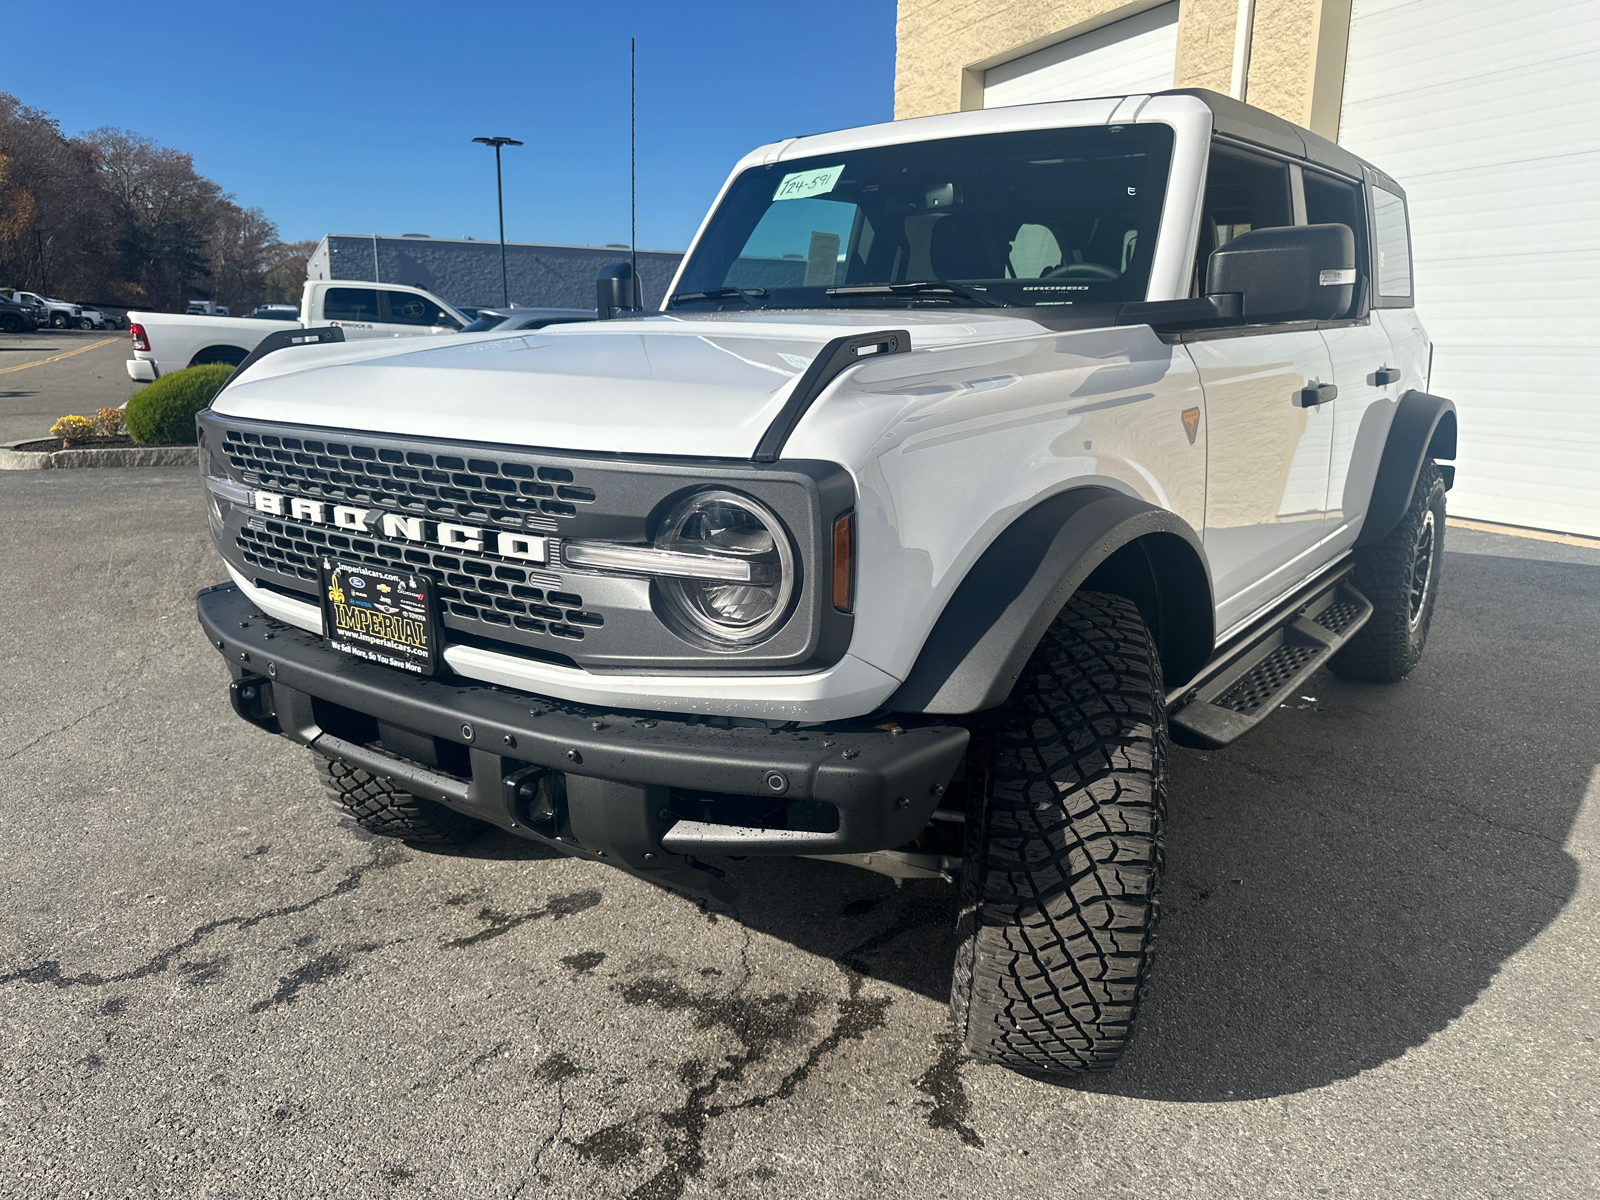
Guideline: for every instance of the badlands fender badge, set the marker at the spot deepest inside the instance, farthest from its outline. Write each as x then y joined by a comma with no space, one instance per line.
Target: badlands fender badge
1191,423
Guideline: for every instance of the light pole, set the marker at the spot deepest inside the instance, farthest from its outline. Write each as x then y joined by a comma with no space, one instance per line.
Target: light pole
499,199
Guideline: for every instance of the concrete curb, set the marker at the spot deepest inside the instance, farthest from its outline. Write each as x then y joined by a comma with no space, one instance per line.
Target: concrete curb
120,456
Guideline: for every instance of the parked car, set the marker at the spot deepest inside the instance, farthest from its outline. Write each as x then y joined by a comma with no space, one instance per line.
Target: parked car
166,342
17,318
90,317
967,457
58,314
206,308
508,320
276,312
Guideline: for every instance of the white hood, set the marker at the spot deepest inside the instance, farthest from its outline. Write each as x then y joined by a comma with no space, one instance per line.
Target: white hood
707,384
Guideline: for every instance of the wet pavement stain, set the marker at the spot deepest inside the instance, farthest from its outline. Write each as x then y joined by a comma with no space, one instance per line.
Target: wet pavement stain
499,923
609,1146
319,970
49,971
949,1107
557,1068
201,972
584,962
762,1025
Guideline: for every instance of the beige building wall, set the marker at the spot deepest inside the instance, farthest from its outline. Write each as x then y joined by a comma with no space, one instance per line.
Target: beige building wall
1296,63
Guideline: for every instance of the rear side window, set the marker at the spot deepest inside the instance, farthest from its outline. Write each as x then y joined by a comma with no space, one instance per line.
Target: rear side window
351,304
1392,240
405,308
1331,201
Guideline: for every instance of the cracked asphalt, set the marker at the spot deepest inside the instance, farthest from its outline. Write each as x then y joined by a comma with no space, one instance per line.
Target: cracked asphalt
1377,975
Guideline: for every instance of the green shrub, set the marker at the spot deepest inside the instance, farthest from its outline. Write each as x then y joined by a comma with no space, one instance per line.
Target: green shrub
162,413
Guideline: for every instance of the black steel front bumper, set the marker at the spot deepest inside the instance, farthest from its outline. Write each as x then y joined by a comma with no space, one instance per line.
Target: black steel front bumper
615,786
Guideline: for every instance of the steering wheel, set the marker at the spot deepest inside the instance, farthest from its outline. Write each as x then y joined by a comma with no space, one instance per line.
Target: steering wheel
1086,270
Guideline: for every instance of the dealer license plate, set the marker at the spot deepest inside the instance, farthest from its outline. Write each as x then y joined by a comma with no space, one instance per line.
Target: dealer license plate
383,616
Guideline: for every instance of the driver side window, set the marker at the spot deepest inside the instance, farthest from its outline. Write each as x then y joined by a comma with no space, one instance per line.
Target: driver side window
1242,193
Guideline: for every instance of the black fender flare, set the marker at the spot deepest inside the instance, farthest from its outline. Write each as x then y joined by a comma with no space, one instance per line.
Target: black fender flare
994,620
1423,427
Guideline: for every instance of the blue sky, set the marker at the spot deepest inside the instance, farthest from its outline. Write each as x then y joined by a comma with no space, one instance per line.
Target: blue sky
359,119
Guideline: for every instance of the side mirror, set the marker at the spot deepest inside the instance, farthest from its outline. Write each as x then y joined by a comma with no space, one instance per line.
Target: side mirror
617,290
1289,273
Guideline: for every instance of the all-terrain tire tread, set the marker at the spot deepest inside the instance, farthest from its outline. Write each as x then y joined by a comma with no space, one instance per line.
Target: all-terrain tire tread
380,807
1386,648
1064,856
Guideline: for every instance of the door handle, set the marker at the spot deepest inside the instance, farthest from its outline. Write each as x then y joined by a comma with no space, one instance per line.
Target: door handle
1314,394
1384,376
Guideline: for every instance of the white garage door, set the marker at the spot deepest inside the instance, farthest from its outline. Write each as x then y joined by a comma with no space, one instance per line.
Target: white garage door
1135,54
1488,113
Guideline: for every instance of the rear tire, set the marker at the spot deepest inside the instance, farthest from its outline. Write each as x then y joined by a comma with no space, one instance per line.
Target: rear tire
380,807
1400,575
1063,860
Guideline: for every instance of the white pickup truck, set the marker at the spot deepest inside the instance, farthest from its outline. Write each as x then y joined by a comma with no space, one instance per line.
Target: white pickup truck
166,342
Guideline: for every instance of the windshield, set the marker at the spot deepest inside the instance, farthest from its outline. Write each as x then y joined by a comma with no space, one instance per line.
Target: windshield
1040,217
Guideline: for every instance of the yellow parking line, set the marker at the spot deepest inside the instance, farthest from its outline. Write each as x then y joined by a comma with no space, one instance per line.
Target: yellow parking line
1539,535
39,362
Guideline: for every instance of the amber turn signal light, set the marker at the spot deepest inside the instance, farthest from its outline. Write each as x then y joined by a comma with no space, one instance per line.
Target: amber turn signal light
843,563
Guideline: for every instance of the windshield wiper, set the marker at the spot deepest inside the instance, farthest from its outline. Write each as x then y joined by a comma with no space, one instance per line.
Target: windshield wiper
748,295
921,287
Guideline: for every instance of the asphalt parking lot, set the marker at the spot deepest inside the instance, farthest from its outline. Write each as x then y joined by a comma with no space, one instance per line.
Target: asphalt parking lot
1377,973
48,373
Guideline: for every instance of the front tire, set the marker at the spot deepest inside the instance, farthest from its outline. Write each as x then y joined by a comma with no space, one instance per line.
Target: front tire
1063,860
1400,575
58,321
380,807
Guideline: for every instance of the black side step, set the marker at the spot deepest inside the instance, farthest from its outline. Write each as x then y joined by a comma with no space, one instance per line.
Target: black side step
1246,685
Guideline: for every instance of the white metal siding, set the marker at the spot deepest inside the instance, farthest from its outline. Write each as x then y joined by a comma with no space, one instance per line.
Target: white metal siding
1488,113
1135,54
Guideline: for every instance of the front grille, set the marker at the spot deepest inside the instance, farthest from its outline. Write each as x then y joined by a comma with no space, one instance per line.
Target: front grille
452,487
481,491
469,589
491,596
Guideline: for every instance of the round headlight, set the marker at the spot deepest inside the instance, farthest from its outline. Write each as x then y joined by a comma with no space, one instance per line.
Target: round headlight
750,576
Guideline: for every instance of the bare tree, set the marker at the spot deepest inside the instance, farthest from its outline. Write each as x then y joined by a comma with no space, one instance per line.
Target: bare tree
114,216
56,220
285,278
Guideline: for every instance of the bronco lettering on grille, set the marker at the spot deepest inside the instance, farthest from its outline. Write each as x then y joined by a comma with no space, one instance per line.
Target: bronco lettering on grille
525,547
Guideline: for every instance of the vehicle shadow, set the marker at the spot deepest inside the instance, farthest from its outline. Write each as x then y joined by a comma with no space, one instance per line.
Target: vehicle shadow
1343,883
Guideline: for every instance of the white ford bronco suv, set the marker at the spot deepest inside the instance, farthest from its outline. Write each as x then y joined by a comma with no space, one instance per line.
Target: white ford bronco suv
969,459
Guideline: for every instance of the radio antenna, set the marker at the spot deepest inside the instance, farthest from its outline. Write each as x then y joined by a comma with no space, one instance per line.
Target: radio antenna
633,173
